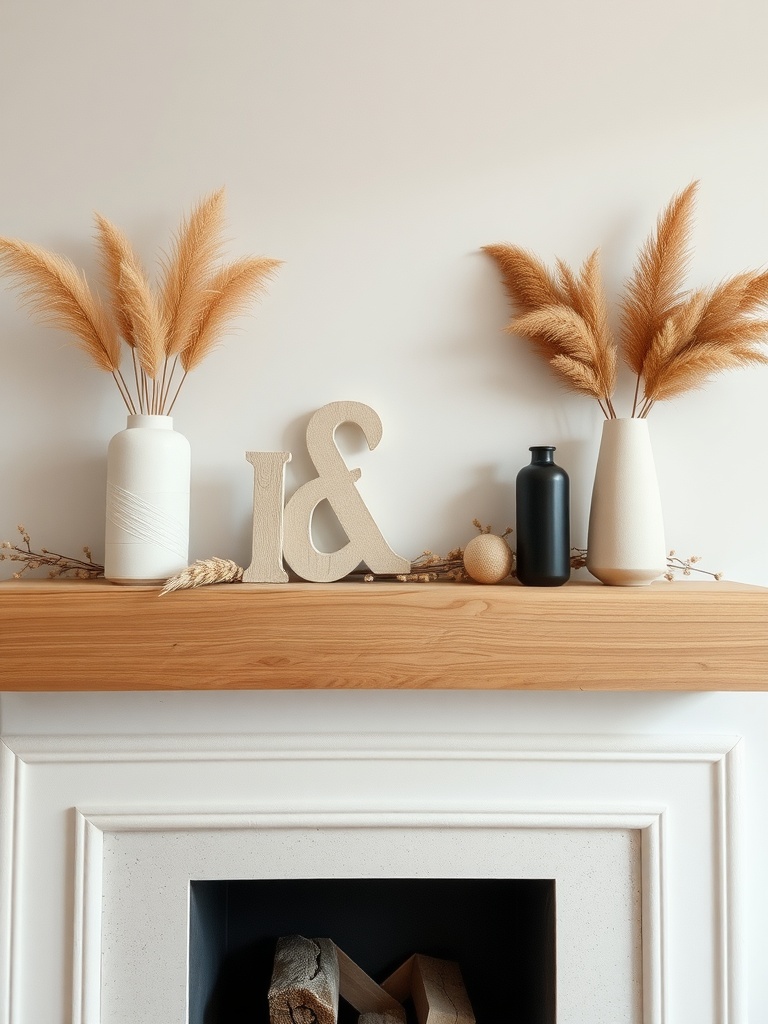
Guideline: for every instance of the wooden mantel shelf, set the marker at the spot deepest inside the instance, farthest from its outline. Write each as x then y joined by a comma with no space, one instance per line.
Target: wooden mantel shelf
65,636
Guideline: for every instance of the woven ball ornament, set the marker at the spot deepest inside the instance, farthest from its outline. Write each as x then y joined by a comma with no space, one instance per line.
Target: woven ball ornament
487,558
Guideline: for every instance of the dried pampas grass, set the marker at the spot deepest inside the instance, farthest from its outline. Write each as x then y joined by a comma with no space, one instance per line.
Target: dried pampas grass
709,333
115,253
565,315
655,290
187,270
227,296
147,324
57,294
529,283
673,340
168,330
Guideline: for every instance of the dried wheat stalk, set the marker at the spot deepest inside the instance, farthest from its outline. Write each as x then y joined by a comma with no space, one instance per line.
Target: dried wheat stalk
204,572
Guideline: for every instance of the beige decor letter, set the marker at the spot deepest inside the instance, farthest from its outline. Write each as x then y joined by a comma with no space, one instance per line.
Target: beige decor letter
336,483
268,492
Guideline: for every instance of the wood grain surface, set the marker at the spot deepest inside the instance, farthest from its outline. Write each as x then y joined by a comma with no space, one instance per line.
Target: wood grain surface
91,635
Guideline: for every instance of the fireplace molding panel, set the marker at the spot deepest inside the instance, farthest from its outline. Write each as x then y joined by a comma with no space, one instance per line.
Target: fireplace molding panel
99,837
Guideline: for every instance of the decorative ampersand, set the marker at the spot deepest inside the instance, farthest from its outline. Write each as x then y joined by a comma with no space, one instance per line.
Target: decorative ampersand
336,483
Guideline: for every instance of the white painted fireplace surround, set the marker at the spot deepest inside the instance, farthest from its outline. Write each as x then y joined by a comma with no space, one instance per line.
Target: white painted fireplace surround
103,828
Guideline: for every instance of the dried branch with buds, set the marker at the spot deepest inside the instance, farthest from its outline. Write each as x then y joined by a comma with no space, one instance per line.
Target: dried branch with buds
57,565
686,566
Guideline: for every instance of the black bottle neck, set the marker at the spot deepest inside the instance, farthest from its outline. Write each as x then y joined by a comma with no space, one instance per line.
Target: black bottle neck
542,454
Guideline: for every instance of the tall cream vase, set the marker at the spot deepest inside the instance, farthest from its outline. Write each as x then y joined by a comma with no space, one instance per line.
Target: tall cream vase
625,545
147,530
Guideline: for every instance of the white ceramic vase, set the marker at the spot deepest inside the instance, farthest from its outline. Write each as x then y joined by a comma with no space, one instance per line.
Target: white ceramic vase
148,471
625,545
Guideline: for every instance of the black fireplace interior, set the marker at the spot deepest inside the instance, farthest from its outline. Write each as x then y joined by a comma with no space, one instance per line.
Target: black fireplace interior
501,932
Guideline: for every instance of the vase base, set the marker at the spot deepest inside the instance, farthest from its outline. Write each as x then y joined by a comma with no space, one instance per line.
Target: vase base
136,583
626,577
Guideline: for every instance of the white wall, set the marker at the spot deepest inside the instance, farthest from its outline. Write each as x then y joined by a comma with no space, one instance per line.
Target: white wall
375,147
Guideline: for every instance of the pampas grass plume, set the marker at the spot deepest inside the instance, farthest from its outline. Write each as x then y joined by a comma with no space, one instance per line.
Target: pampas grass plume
180,324
58,295
672,340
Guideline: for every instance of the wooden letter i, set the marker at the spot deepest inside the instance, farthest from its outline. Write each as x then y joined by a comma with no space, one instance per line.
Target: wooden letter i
268,494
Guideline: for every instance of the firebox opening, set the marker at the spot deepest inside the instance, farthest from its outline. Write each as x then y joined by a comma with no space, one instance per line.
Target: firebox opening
501,932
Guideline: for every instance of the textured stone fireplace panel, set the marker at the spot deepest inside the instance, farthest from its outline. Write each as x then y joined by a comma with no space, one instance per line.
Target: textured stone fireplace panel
597,875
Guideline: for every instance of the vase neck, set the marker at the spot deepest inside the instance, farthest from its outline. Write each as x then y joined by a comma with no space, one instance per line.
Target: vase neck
156,422
626,426
542,454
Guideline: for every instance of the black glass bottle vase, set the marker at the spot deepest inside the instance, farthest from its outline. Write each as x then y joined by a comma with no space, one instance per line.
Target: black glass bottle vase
543,532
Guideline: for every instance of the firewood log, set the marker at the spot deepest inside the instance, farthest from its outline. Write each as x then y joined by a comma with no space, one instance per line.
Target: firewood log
379,1018
436,987
305,982
362,992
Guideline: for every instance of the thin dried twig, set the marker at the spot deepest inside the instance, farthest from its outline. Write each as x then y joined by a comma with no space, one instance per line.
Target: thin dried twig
57,565
686,567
